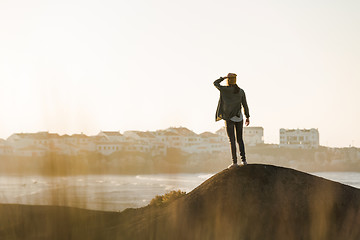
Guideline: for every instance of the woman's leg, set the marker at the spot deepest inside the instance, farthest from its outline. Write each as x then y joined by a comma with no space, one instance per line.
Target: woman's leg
239,138
230,125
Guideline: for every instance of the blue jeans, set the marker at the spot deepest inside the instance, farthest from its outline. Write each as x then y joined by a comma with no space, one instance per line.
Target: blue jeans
231,128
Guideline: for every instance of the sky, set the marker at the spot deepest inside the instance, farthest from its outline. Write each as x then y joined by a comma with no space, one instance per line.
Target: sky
76,66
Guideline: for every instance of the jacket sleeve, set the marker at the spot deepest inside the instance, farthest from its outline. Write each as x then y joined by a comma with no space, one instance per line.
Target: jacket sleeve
246,108
217,83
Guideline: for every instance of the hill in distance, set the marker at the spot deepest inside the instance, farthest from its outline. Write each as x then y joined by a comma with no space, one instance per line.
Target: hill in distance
250,202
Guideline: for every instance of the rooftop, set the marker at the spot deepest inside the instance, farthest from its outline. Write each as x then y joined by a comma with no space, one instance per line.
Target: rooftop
141,134
165,133
299,130
182,131
81,135
146,134
112,133
38,135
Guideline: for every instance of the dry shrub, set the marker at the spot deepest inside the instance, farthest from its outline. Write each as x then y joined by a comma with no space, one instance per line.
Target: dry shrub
166,198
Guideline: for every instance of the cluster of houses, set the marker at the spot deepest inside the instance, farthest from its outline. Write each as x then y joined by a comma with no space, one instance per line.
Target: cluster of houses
108,142
150,142
299,138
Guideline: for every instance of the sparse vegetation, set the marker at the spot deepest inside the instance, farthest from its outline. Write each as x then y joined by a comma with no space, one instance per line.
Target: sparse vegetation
166,198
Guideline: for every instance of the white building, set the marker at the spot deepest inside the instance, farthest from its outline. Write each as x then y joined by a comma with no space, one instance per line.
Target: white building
112,136
4,148
182,138
141,136
156,145
145,142
23,143
299,138
131,141
107,148
23,140
252,136
170,139
213,143
80,141
210,137
190,141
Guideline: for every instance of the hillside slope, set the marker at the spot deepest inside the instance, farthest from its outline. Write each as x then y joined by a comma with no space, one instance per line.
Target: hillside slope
256,202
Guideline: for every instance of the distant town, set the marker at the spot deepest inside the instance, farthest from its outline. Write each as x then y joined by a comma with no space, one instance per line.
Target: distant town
150,142
175,149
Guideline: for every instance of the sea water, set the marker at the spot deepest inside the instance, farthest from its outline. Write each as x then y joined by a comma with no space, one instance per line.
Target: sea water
113,192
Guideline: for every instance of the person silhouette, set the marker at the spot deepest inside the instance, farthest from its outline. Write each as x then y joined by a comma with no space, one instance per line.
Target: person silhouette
232,99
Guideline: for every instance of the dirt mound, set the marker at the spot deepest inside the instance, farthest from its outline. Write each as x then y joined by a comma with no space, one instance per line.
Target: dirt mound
257,202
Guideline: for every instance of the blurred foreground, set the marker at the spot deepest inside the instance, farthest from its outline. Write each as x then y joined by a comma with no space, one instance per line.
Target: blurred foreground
251,202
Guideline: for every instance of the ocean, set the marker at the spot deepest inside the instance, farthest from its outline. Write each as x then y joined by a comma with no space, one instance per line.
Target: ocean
113,192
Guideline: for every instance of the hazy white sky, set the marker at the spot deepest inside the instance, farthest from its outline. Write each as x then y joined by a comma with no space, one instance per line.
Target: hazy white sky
75,66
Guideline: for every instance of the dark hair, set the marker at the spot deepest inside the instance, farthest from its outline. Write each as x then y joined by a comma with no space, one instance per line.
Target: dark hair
236,88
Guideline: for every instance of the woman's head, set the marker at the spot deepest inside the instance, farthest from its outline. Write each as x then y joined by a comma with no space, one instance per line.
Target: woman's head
232,82
231,78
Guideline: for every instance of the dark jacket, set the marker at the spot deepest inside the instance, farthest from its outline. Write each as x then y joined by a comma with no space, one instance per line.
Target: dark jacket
230,103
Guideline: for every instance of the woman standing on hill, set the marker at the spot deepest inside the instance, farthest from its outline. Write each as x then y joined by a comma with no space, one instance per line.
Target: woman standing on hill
232,99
